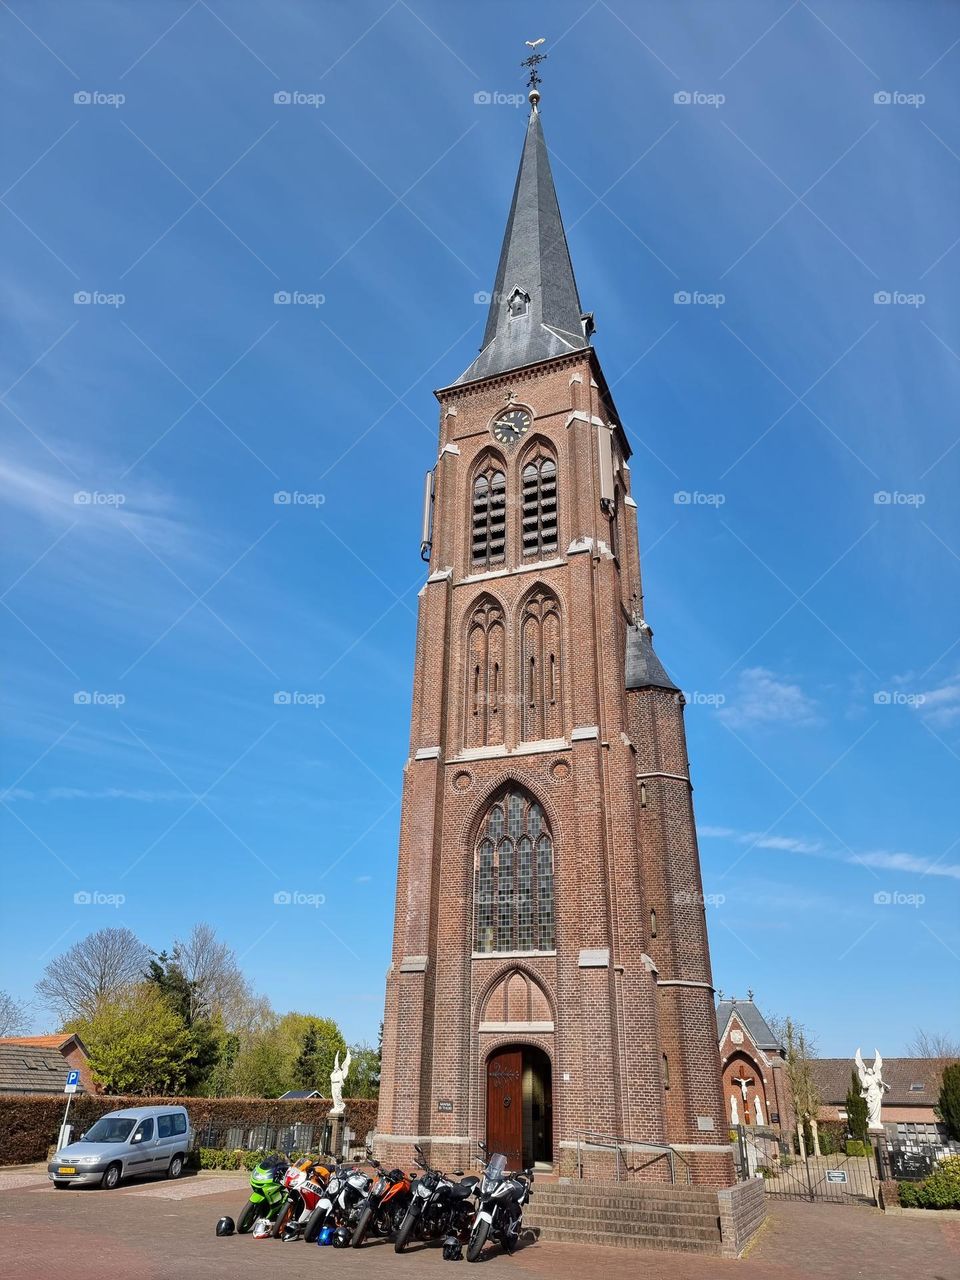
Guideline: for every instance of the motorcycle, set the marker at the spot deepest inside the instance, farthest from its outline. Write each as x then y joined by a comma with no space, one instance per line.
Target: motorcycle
500,1200
438,1206
339,1206
266,1192
305,1184
385,1206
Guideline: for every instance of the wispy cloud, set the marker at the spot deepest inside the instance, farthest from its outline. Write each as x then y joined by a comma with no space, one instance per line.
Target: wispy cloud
139,795
763,698
884,859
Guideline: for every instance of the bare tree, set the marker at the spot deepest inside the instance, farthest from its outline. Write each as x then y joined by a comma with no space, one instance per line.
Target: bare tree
933,1044
800,1050
13,1016
97,967
210,966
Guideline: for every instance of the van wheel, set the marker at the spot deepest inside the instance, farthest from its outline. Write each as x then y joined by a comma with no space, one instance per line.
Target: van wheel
176,1167
111,1177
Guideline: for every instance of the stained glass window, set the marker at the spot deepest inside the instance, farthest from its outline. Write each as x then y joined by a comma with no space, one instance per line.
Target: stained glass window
513,880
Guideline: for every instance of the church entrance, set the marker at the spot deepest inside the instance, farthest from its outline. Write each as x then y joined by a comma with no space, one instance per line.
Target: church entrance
520,1106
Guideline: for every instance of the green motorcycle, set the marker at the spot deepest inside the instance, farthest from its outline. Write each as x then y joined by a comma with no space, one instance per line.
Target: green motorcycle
267,1193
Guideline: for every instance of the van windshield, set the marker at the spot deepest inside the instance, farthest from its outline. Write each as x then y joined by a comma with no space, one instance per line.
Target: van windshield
109,1129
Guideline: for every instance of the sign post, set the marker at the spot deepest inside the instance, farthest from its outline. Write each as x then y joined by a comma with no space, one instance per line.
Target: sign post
70,1088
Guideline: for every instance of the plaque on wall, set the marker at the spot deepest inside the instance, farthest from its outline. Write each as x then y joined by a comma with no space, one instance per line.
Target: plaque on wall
444,1104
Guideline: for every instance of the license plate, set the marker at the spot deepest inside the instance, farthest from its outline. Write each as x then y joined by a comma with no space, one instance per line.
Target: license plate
66,1168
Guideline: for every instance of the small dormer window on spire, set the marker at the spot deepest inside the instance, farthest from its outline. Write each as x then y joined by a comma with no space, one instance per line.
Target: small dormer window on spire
518,303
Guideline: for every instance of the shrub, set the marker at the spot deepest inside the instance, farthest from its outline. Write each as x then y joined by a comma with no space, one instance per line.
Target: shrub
857,1148
939,1190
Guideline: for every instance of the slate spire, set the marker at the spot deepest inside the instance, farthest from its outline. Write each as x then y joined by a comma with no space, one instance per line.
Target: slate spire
535,309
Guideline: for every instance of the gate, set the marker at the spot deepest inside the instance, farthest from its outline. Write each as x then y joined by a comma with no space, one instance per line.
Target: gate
834,1179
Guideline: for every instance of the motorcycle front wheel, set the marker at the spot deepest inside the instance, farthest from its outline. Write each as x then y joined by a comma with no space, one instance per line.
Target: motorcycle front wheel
363,1226
283,1217
478,1238
314,1223
406,1231
247,1218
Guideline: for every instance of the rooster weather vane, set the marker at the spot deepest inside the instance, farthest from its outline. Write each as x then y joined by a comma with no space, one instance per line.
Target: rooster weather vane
531,64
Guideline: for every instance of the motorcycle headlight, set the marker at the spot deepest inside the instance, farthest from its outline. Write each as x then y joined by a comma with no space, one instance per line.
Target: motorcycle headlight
378,1187
422,1190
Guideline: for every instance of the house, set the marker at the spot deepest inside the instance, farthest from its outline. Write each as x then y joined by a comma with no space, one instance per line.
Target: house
300,1095
907,1113
39,1064
752,1066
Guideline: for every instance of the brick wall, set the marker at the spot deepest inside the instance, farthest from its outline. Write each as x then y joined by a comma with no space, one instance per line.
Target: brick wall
742,1213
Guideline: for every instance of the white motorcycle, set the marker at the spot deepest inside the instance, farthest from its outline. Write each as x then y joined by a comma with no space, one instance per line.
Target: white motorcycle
500,1200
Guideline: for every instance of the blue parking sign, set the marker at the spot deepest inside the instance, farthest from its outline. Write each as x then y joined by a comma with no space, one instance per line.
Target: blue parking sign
73,1079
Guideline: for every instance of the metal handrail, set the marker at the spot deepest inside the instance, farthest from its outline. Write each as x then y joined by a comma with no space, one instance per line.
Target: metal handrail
592,1138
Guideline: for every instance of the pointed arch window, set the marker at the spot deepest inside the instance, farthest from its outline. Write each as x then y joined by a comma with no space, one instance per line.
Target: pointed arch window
513,907
489,516
485,676
538,520
541,696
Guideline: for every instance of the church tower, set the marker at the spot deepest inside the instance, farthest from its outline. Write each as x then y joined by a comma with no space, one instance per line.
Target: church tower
550,988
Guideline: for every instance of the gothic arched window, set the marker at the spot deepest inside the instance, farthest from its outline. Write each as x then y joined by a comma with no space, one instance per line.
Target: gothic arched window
541,694
538,519
513,878
489,516
485,676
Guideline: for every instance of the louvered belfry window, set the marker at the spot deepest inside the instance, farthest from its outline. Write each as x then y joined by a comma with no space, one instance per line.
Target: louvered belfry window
539,506
489,528
513,878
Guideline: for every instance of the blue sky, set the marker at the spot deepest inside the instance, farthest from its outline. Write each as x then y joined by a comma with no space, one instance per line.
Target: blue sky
814,626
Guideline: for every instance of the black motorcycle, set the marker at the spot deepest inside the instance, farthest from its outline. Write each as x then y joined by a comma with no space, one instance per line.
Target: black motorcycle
500,1200
438,1206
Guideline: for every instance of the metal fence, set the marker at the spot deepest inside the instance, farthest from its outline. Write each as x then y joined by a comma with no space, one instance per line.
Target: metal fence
287,1138
832,1179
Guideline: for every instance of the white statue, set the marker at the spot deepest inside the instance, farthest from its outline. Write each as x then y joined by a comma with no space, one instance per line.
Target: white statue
872,1087
338,1078
757,1108
743,1082
734,1112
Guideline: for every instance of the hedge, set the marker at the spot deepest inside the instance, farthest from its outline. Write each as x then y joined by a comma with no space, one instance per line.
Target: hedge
939,1190
29,1123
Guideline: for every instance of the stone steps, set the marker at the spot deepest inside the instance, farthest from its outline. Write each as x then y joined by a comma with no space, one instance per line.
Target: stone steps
616,1216
627,1215
624,1239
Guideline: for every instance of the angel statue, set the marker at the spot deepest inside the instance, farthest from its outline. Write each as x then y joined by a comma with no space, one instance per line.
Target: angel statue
338,1077
872,1087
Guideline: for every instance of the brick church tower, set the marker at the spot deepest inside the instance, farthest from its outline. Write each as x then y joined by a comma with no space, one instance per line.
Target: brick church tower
550,989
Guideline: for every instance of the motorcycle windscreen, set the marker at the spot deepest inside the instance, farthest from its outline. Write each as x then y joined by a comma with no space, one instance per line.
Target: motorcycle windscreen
495,1167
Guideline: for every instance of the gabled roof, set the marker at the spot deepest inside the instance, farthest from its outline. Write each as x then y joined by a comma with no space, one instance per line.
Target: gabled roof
535,309
753,1022
643,669
30,1068
300,1094
59,1041
832,1076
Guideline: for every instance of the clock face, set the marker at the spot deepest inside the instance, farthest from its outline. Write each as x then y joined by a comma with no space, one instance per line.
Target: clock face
511,425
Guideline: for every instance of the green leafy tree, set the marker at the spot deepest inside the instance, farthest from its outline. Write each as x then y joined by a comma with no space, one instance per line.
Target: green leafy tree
856,1110
138,1042
364,1078
206,1034
311,1043
948,1104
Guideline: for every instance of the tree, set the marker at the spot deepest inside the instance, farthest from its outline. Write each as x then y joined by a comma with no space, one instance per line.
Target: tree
948,1104
93,970
364,1079
800,1050
13,1016
138,1042
217,983
933,1044
312,1044
205,1033
856,1110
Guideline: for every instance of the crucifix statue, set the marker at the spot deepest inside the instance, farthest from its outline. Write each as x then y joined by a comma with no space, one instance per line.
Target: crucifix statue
742,1081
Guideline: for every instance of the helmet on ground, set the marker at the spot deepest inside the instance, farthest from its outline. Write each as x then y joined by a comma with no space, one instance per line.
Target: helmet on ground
291,1231
262,1229
341,1238
325,1236
452,1249
226,1227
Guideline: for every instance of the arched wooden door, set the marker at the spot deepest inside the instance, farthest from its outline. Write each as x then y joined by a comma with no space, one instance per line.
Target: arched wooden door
505,1105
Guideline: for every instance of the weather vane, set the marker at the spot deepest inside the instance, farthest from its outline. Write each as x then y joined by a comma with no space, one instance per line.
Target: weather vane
532,63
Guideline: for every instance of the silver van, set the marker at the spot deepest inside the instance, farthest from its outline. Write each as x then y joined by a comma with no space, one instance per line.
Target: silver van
126,1144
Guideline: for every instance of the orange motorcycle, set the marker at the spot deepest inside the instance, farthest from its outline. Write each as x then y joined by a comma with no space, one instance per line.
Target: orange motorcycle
385,1207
